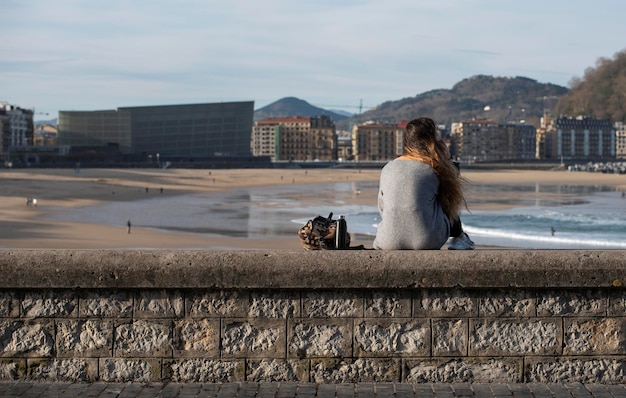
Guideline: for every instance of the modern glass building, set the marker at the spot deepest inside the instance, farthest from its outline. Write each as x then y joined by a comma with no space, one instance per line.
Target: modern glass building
192,131
95,128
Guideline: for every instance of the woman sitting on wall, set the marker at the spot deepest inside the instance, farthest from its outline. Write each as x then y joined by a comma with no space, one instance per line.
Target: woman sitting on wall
420,195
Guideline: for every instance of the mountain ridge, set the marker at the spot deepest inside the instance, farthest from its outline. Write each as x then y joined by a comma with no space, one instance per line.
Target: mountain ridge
504,99
292,106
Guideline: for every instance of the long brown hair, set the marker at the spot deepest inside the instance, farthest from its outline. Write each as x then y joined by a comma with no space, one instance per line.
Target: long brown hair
421,144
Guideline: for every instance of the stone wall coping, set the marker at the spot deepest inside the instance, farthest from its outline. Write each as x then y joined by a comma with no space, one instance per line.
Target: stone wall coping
278,269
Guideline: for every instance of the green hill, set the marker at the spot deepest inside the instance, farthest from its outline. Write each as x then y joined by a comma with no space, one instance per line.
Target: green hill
601,93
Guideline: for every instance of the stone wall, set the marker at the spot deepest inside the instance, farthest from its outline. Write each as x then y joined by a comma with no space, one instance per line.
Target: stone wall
331,317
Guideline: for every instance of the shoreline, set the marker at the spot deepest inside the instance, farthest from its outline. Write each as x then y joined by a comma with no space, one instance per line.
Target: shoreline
25,226
28,226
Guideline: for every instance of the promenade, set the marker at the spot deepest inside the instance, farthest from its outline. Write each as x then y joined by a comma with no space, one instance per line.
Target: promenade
307,390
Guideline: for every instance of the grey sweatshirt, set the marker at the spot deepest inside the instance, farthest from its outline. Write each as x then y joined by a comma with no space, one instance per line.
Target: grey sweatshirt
411,216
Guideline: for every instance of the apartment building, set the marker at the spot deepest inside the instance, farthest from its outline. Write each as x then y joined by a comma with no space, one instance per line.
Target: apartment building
376,141
16,128
543,146
487,140
45,135
295,138
582,138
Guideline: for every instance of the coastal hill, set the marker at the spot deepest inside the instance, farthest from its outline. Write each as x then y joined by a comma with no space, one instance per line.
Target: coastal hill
503,99
600,93
500,98
291,106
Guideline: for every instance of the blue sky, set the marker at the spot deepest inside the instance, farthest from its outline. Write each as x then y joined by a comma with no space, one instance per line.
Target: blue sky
94,54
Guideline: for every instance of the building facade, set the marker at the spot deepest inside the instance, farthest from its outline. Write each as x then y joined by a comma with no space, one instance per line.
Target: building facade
263,138
295,138
45,135
582,138
377,142
543,143
16,128
107,128
175,131
487,140
620,140
344,145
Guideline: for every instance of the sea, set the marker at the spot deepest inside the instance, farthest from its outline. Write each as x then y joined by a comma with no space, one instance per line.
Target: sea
532,216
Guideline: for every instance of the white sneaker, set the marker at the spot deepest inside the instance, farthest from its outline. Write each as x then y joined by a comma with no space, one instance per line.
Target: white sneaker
462,242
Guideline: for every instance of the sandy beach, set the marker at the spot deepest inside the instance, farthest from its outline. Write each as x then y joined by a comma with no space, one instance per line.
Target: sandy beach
23,226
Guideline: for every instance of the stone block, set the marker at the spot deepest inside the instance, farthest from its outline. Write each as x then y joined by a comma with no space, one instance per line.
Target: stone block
450,337
202,370
277,370
314,338
381,337
507,336
388,303
142,338
124,370
106,304
12,369
196,338
84,338
572,303
465,370
63,370
26,338
586,370
617,303
508,303
453,303
363,370
262,338
9,304
332,304
159,304
596,336
272,304
210,304
49,303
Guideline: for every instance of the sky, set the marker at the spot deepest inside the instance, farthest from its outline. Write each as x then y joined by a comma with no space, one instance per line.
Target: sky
62,55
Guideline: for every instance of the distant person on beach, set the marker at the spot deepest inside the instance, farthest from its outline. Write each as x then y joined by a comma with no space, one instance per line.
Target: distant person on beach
129,225
420,195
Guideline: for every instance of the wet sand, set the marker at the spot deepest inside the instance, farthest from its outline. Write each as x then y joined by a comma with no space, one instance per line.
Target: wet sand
23,226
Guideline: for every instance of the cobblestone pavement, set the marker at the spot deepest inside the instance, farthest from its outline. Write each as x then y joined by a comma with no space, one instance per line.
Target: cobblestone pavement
306,390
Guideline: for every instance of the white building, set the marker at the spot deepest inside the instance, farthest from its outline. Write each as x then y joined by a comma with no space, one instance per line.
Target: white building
16,127
620,140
